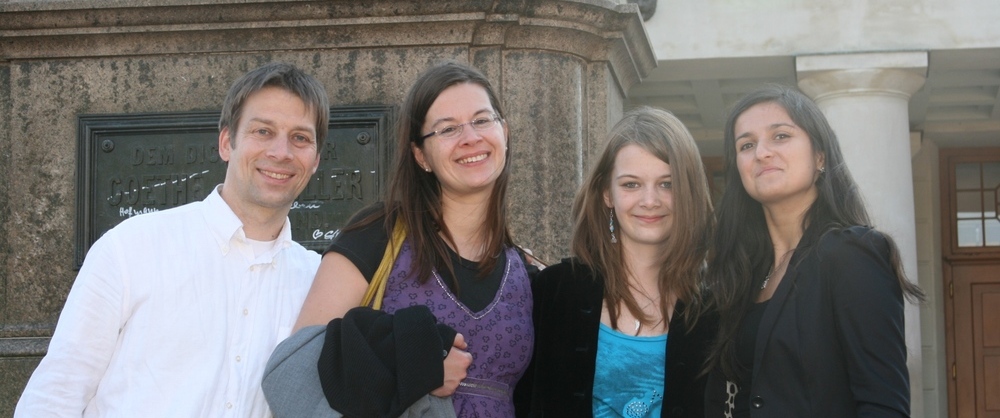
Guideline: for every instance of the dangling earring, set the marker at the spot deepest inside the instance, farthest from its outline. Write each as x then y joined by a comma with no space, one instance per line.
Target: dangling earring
611,226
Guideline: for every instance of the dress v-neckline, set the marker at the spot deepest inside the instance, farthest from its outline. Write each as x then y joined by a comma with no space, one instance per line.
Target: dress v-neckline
493,303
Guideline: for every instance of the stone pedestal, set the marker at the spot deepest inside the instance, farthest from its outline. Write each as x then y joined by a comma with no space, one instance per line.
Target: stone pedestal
865,98
561,67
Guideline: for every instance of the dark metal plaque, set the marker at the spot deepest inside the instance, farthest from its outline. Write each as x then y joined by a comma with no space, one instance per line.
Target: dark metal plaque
133,164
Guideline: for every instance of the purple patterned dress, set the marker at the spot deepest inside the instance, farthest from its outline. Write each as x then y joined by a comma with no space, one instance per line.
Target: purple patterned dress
500,337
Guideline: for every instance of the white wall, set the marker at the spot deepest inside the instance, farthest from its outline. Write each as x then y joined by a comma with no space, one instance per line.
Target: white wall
688,29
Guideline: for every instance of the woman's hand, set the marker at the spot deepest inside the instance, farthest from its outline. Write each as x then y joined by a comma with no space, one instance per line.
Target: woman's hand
456,365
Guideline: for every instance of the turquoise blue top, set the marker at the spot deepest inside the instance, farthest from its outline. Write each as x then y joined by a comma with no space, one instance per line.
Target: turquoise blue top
630,373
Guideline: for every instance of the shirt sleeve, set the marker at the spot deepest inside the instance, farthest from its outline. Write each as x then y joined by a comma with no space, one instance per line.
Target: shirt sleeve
869,319
364,246
84,340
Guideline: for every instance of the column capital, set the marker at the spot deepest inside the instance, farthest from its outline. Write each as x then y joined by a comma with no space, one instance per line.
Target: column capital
888,73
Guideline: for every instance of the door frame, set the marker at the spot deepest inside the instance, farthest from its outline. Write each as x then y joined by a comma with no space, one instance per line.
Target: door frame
953,256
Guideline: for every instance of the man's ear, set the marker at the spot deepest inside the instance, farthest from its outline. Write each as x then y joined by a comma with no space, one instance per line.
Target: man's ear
225,144
316,164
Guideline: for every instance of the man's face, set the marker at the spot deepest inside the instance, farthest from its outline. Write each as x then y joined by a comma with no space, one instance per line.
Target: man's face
271,155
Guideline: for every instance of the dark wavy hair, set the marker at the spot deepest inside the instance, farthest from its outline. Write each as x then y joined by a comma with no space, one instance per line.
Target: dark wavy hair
284,76
742,247
414,196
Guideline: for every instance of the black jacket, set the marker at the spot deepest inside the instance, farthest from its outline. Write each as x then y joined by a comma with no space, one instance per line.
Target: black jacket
831,341
376,364
567,316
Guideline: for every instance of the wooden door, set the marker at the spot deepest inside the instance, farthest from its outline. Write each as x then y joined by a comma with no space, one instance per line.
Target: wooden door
970,202
976,307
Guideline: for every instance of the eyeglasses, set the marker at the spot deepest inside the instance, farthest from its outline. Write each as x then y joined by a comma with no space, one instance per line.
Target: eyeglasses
453,131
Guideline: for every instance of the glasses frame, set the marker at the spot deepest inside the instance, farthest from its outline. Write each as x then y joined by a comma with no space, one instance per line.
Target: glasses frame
461,127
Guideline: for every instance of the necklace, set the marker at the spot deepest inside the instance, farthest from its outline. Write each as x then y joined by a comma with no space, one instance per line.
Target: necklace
784,261
638,324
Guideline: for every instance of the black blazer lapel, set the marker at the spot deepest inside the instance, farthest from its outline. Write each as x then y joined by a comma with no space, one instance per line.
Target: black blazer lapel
773,310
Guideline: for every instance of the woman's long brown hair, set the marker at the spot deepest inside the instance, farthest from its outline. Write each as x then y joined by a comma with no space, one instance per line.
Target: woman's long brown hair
663,135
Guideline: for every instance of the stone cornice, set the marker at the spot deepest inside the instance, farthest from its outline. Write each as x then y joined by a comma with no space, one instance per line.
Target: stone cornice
595,30
891,73
884,81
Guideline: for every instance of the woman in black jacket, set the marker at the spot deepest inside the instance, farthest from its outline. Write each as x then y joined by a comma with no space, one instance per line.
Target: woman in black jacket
619,330
810,297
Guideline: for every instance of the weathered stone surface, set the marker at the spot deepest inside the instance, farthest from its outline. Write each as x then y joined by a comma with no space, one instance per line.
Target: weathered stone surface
543,92
16,371
5,211
561,68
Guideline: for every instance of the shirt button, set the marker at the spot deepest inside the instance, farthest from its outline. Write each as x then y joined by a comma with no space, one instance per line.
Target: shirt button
757,402
246,312
238,359
229,405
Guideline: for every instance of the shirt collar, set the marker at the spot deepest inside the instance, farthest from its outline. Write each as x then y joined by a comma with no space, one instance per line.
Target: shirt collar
226,227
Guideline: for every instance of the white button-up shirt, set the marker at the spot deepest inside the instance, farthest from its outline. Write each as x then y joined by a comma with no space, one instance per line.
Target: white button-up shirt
172,315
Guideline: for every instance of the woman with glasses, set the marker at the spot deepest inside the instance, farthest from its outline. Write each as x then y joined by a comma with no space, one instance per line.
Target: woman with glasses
448,191
620,328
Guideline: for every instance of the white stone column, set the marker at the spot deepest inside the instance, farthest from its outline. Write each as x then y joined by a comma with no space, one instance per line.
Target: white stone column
865,97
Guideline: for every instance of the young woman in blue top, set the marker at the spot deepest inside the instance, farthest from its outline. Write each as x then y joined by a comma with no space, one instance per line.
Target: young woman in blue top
619,330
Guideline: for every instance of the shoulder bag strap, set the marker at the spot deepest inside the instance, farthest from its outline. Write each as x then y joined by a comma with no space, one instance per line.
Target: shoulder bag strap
376,288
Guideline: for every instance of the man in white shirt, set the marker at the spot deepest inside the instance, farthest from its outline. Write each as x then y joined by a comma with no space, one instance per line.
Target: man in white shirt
175,313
